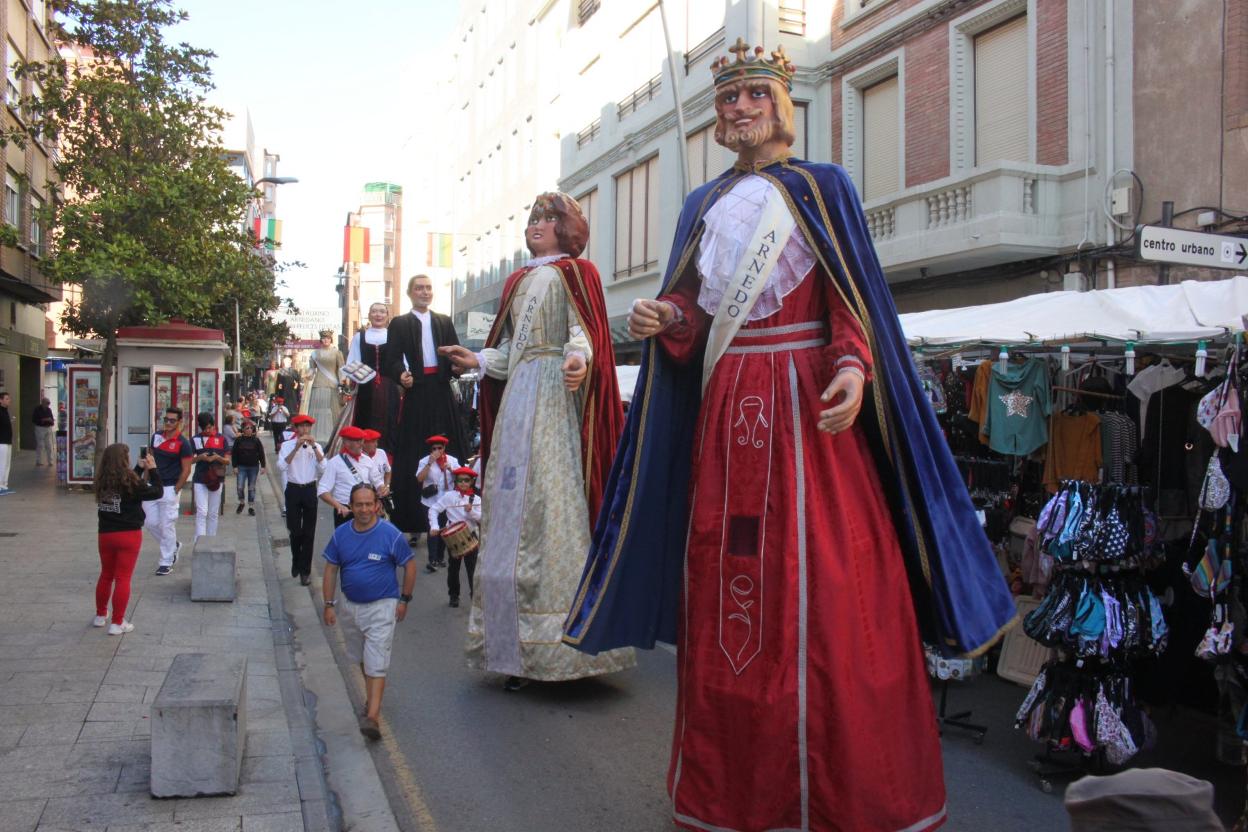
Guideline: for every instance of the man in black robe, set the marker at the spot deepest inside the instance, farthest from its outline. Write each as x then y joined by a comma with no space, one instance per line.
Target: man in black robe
288,385
428,405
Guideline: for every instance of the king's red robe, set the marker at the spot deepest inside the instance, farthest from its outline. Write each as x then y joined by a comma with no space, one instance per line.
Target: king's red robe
829,726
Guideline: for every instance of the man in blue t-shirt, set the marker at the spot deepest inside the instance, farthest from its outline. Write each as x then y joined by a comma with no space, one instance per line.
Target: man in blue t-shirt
173,453
366,552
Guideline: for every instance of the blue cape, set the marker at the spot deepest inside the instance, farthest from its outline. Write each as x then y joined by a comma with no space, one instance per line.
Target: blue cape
632,584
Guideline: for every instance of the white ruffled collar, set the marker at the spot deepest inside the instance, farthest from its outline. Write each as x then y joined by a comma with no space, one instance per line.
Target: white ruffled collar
730,225
375,335
546,260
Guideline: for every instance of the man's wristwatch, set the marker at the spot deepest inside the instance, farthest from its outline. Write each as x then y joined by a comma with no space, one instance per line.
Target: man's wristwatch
331,603
406,599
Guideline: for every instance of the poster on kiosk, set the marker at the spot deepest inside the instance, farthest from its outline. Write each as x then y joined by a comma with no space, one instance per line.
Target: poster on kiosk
84,420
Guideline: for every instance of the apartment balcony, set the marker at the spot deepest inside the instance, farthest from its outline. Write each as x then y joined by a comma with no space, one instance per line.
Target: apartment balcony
987,217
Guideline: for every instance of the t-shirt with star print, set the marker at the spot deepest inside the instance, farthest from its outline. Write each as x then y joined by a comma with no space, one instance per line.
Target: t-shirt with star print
1018,408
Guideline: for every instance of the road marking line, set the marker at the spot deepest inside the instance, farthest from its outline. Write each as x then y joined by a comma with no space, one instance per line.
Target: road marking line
409,789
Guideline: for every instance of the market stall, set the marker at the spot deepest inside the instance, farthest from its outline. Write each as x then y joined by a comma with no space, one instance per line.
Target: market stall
1099,433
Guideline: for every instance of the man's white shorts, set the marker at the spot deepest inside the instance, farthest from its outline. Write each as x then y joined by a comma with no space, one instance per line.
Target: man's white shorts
369,633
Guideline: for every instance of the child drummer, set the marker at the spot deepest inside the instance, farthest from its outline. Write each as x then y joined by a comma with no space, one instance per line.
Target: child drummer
459,505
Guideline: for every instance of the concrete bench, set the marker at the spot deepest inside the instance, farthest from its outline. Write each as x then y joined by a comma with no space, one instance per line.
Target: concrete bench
213,570
199,726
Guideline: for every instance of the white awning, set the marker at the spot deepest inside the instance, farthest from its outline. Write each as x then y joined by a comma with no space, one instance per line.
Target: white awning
1189,311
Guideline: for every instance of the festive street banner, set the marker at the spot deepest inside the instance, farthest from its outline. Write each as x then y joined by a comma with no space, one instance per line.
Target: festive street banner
438,251
268,232
354,244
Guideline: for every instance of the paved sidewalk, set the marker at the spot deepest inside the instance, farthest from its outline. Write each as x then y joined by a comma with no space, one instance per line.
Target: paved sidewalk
75,702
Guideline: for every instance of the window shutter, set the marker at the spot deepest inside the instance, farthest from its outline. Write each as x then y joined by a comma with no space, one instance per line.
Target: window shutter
623,220
650,255
1001,96
697,158
881,156
799,131
718,157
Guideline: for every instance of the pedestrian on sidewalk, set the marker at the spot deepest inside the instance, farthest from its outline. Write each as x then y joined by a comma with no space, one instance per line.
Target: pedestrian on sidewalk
301,461
45,428
173,453
212,459
279,415
366,552
119,496
6,443
345,471
260,411
433,473
460,505
248,458
229,425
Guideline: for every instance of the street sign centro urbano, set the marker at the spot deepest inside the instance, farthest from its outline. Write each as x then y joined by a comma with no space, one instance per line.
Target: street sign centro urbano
1192,248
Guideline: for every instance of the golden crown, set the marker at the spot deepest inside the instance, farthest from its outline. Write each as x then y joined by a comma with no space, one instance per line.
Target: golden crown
746,66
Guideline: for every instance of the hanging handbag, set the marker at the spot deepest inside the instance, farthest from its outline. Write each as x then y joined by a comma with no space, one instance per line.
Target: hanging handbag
1216,490
1212,575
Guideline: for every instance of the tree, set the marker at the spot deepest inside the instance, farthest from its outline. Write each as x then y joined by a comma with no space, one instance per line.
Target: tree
152,224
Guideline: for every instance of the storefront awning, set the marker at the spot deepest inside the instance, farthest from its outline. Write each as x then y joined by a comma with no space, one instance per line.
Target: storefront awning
1189,311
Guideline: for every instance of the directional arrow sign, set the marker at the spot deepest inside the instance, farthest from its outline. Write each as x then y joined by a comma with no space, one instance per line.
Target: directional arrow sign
1193,248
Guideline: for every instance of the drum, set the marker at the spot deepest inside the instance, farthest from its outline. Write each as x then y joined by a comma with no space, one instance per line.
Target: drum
460,539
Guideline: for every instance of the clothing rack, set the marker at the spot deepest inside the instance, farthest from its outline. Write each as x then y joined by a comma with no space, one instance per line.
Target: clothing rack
1082,392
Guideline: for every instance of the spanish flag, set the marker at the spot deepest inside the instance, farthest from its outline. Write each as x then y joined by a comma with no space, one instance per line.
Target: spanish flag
354,244
438,252
268,233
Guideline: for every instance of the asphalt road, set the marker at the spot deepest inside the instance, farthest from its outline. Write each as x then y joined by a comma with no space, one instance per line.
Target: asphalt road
462,755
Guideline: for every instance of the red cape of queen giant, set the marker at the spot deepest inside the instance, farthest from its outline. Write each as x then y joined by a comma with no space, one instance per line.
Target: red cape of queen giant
603,417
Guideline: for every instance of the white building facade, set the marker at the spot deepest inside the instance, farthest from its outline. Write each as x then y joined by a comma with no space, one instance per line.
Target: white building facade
986,137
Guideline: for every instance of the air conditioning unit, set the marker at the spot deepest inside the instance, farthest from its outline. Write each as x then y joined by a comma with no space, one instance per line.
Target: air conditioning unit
1074,282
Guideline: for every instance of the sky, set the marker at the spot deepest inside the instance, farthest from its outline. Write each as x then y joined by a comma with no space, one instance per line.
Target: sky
322,82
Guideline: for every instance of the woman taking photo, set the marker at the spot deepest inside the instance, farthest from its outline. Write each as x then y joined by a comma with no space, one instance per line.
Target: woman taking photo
119,496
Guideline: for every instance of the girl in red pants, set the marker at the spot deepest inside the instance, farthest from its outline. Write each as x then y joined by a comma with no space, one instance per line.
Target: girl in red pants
119,495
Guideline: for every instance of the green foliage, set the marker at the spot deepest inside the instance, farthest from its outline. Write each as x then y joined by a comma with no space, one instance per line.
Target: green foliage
152,224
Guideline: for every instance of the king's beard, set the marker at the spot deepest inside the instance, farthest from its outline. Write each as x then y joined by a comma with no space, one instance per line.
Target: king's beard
751,137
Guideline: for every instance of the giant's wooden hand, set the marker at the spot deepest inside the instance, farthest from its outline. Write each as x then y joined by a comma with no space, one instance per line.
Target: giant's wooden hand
848,386
650,317
462,358
574,371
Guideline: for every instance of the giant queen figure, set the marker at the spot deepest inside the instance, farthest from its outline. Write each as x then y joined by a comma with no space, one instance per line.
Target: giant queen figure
783,505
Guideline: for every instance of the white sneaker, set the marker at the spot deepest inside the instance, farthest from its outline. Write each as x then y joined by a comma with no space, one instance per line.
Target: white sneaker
99,621
119,629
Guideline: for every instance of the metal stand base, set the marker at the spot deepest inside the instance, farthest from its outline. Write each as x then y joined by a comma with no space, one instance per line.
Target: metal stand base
958,720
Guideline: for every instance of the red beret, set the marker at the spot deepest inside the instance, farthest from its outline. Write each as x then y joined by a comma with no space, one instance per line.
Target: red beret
303,419
464,471
437,440
278,399
351,432
371,435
